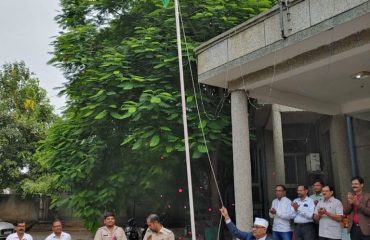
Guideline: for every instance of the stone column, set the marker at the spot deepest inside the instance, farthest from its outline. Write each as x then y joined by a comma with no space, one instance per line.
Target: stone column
241,160
277,133
340,156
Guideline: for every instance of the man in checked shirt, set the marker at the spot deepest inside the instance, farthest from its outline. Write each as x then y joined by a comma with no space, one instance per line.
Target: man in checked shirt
329,212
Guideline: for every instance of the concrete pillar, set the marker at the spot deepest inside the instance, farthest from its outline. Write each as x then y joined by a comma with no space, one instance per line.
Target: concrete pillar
242,160
277,131
340,156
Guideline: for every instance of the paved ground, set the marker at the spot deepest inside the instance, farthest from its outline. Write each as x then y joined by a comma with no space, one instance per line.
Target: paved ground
83,234
76,235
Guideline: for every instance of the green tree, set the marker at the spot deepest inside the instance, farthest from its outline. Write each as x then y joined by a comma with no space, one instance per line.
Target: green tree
121,135
25,114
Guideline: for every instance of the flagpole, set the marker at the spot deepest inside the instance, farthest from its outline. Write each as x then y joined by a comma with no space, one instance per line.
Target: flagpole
185,122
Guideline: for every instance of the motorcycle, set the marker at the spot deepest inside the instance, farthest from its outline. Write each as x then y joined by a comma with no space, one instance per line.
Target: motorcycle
131,230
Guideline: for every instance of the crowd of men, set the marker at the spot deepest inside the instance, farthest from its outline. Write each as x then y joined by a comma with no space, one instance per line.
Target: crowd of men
109,231
318,216
315,217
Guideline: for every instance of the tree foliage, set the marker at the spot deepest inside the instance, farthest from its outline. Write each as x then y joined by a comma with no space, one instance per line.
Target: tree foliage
122,136
25,114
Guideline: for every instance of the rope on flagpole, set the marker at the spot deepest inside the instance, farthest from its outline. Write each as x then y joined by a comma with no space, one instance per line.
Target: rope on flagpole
198,112
200,121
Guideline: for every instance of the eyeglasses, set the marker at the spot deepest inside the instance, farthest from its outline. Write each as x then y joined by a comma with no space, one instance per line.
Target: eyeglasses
256,226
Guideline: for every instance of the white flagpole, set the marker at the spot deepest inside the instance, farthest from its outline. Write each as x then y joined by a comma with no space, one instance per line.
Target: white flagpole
185,122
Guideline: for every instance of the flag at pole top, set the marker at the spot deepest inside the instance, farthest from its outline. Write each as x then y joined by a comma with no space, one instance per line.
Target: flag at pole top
165,3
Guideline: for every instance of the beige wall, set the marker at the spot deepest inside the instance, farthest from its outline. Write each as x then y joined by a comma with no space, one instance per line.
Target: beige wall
13,207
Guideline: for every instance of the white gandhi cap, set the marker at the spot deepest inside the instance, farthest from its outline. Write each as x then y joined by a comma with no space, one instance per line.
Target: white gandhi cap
261,222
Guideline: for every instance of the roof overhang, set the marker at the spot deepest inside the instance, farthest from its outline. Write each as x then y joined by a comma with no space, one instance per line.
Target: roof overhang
327,43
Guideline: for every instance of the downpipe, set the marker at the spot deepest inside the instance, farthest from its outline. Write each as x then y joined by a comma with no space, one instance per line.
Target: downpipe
351,143
283,4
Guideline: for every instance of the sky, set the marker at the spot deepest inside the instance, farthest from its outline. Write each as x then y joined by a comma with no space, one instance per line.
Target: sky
27,28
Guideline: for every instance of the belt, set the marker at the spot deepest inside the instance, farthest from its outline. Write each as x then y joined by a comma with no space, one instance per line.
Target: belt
303,224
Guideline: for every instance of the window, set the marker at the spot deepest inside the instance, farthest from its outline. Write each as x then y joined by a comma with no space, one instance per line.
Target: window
295,165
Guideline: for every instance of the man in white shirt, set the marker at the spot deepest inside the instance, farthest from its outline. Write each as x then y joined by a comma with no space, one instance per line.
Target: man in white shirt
302,212
281,213
20,229
58,234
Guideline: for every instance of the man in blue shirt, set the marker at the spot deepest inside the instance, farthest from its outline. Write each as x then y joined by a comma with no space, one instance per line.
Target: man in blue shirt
302,212
259,228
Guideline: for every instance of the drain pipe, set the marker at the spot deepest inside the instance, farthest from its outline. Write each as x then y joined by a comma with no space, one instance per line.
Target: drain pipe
281,6
351,143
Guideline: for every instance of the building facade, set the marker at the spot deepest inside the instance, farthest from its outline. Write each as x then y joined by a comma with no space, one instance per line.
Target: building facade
314,57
